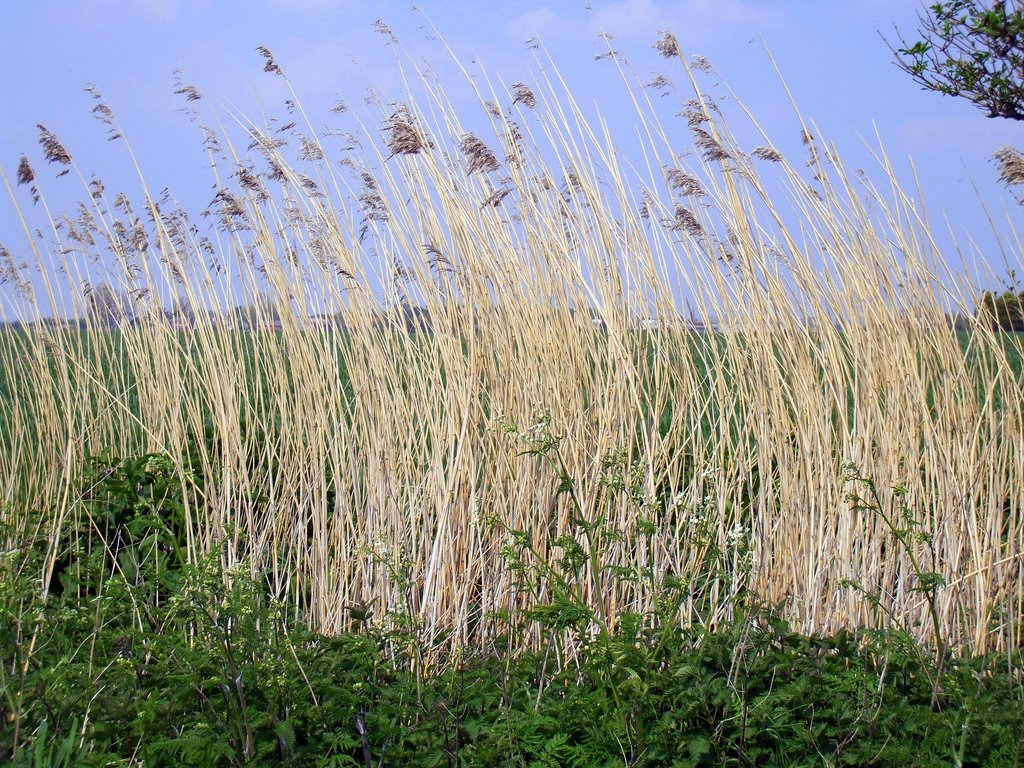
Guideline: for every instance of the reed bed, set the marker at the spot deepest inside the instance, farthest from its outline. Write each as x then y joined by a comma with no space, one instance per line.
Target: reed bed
735,322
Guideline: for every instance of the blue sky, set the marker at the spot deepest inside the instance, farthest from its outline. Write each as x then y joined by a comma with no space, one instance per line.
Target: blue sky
830,51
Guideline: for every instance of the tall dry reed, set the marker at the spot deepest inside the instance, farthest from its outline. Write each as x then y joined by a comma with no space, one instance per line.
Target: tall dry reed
482,269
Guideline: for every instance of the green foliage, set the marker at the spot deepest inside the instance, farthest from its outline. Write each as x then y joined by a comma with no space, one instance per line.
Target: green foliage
45,752
973,49
141,657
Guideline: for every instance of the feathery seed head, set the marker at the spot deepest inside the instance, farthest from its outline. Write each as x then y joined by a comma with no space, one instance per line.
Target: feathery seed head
679,179
269,65
479,157
685,221
1010,162
701,64
53,150
190,92
523,95
667,45
403,136
383,29
660,82
767,153
25,173
496,197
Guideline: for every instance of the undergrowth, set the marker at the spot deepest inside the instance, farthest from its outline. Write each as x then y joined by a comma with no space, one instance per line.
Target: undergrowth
132,654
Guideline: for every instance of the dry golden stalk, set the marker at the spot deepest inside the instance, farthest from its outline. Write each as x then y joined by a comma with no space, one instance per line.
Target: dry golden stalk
351,340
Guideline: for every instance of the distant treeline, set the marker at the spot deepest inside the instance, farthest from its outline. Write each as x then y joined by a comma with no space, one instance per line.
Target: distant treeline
1004,311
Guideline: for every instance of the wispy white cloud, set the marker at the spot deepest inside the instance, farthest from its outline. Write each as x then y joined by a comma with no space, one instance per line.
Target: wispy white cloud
629,18
97,13
166,10
307,6
540,21
705,20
